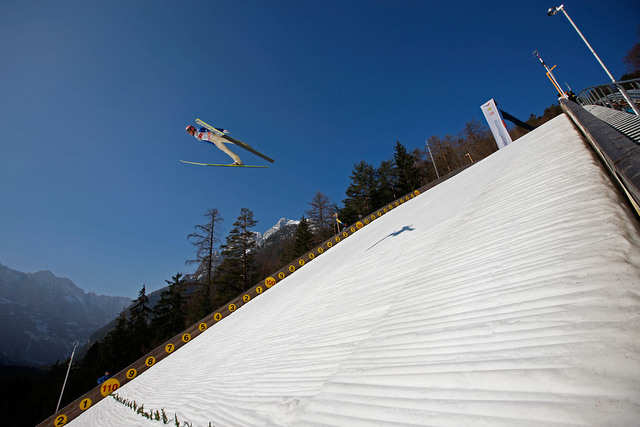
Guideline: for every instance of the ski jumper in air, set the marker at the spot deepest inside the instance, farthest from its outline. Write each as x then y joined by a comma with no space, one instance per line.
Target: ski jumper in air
206,135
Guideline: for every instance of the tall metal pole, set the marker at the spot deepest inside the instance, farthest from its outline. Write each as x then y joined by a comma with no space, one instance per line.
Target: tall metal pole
553,79
75,344
552,11
432,161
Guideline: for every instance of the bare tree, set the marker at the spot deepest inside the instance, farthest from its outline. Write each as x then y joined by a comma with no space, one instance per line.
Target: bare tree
320,216
205,238
476,140
632,59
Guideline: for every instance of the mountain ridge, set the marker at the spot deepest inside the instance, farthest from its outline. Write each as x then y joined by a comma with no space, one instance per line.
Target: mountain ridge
41,315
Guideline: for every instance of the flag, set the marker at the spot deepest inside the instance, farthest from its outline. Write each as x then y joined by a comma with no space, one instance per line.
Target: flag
496,124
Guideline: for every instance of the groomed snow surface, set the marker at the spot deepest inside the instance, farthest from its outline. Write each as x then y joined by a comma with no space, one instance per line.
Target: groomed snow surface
508,295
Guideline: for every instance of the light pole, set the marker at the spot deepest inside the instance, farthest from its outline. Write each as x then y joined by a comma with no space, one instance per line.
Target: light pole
553,79
75,344
552,11
432,161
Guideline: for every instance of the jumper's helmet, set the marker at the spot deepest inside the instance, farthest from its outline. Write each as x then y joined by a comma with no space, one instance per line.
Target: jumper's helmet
190,129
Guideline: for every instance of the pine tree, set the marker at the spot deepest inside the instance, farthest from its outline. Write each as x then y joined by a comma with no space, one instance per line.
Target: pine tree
138,326
113,353
386,185
359,201
168,313
237,272
303,242
406,172
320,214
203,304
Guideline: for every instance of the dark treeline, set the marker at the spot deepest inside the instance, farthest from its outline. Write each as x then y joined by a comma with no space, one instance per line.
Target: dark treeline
225,270
371,188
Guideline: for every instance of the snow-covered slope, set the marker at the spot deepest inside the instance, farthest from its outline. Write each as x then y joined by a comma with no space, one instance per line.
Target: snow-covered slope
508,295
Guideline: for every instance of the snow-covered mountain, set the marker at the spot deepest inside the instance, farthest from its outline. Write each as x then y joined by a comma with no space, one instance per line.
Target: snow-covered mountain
282,229
41,315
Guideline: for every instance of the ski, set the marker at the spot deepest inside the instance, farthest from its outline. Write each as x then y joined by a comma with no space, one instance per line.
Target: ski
223,165
234,141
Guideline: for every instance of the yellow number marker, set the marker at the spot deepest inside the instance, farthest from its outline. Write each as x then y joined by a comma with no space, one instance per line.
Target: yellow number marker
85,404
109,386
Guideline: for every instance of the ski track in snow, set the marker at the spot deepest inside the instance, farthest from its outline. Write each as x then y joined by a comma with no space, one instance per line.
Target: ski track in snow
507,295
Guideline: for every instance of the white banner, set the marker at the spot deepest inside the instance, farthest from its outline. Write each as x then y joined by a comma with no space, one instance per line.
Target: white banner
496,124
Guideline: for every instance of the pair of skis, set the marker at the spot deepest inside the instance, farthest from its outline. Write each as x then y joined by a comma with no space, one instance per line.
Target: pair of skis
233,141
223,165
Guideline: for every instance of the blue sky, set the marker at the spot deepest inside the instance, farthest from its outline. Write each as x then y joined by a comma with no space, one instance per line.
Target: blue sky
95,97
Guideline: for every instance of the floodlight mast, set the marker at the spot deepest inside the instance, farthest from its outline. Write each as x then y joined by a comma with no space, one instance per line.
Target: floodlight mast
553,79
75,344
432,161
551,12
